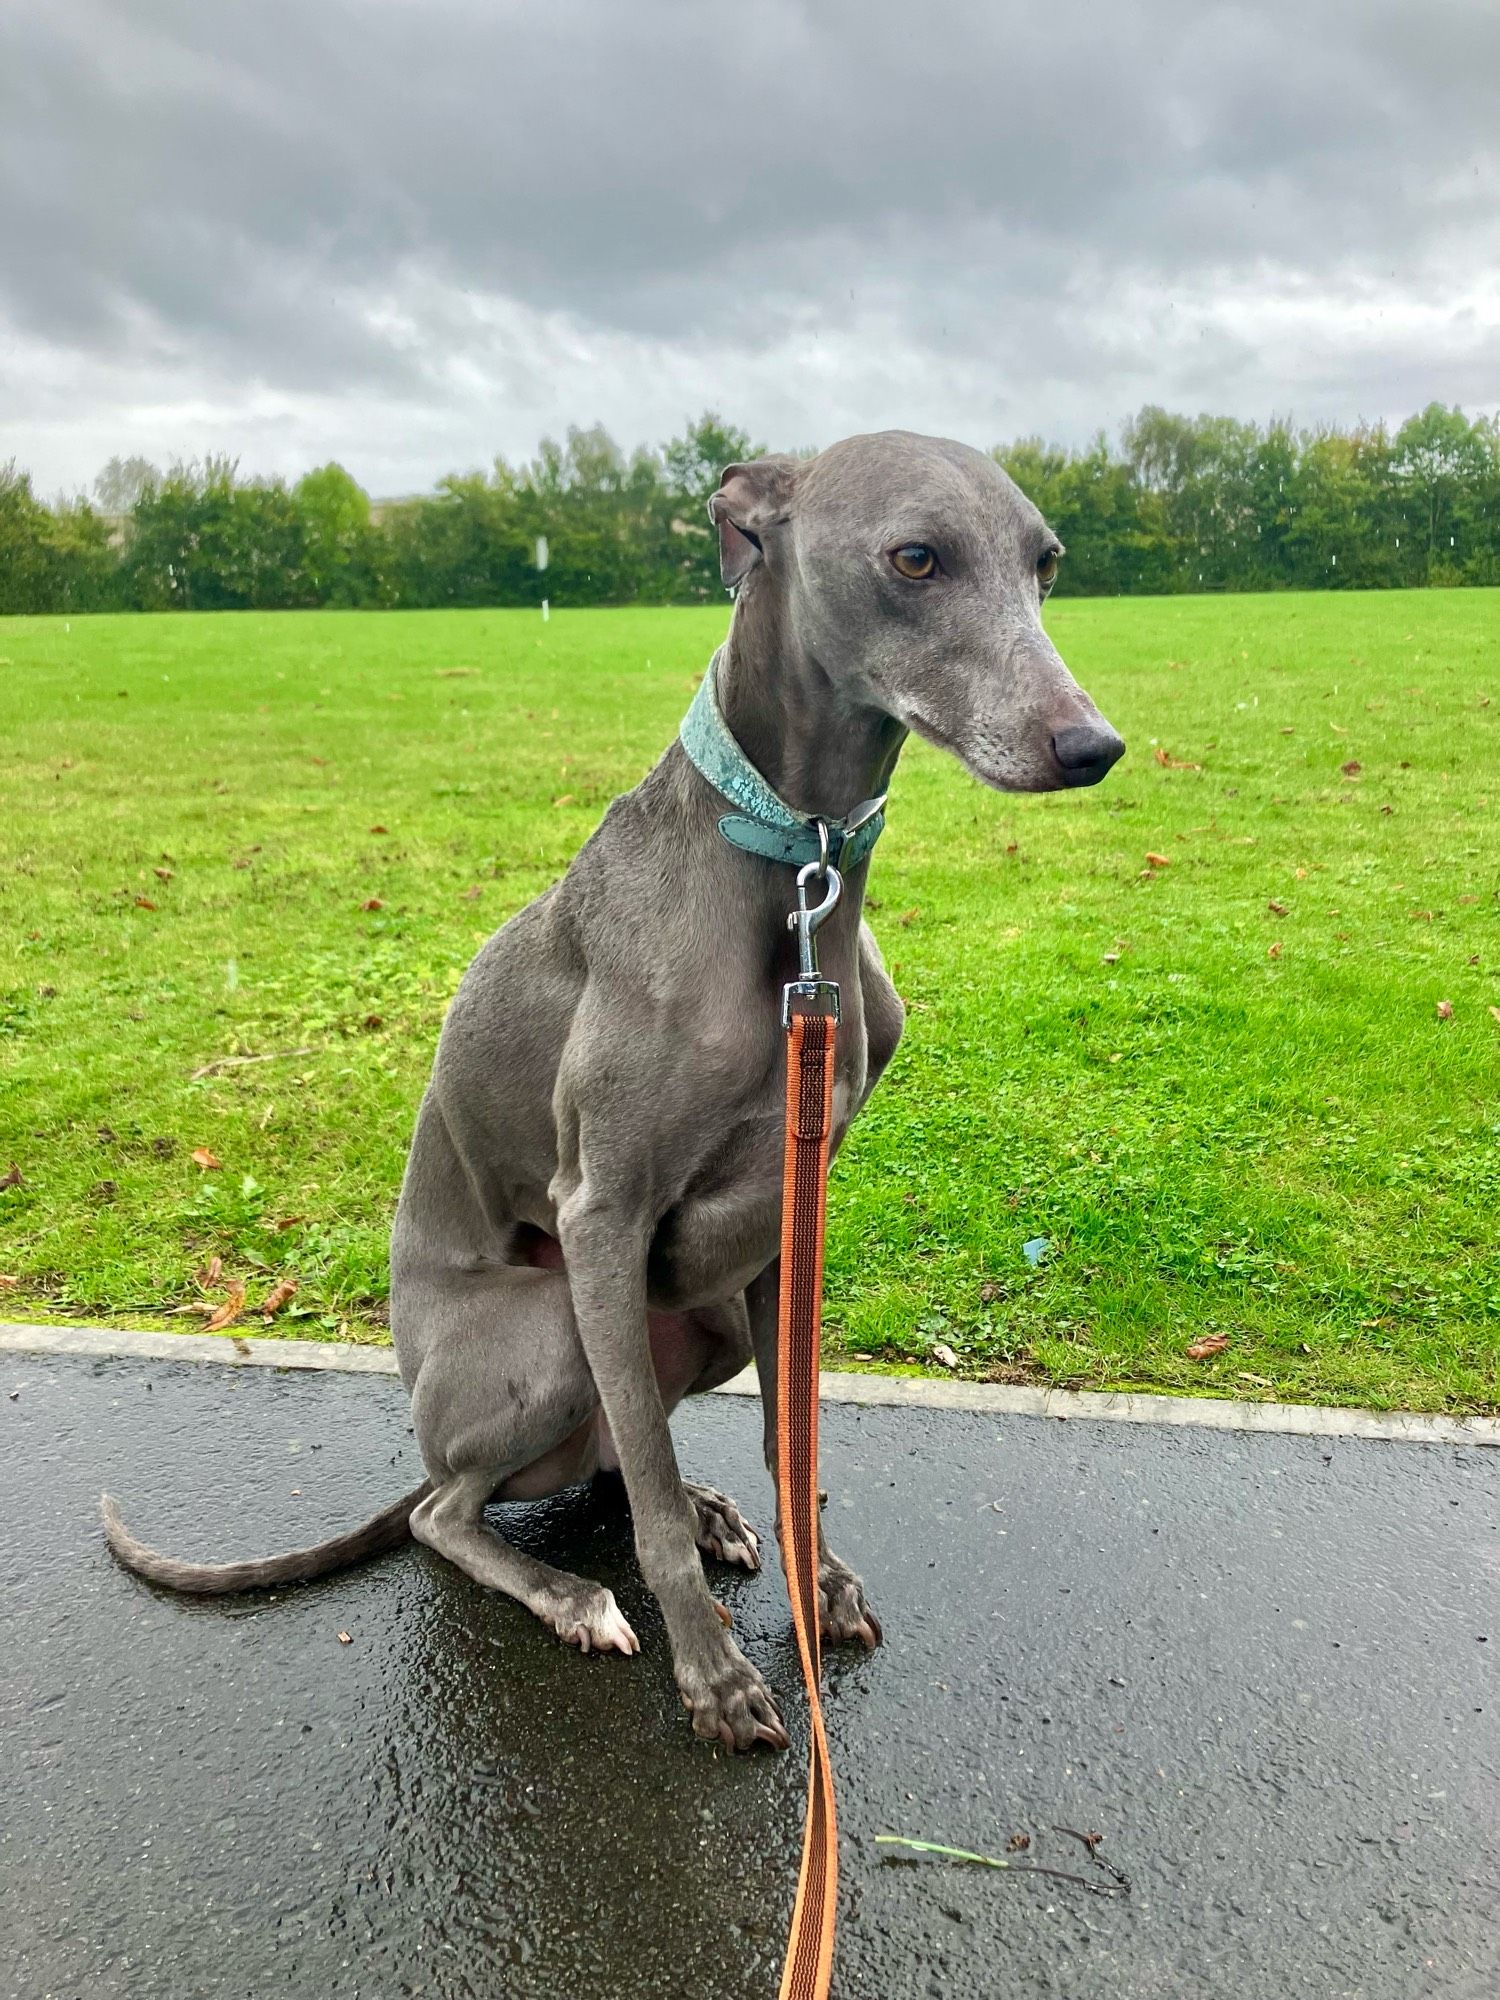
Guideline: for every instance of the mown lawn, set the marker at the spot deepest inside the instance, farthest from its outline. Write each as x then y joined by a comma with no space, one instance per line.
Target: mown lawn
1226,1090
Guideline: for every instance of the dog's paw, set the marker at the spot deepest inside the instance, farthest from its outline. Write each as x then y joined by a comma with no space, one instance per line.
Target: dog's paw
590,1619
722,1530
843,1613
730,1703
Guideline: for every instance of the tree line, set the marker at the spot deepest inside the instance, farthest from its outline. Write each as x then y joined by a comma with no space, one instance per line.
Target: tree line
1174,504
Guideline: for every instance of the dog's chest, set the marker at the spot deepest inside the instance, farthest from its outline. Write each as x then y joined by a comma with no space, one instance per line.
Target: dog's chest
726,1226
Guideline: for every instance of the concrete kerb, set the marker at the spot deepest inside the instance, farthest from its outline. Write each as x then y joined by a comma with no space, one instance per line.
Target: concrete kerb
1061,1405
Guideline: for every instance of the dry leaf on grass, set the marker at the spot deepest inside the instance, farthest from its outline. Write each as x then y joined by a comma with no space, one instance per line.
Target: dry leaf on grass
1277,909
162,874
1158,860
211,1273
943,1354
1170,763
1274,950
288,1221
1495,1013
1211,1343
8,1283
231,1309
1445,1010
372,903
202,1157
1352,769
144,903
15,1178
277,1297
380,829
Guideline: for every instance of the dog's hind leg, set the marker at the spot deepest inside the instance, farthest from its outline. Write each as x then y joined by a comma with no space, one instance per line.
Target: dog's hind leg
504,1408
451,1520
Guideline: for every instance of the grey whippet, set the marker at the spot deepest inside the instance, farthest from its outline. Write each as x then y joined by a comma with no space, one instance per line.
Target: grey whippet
588,1226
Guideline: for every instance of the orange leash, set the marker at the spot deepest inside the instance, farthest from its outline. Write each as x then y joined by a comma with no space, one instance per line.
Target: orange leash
810,1011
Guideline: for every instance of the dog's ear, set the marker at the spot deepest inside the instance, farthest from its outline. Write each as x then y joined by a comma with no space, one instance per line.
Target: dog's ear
752,498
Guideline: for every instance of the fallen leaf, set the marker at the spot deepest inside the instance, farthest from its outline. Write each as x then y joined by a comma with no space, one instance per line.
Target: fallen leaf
944,1355
1170,763
1158,860
1274,950
318,760
372,903
1277,909
144,903
277,1297
990,1291
162,874
473,895
345,1639
7,1283
202,1157
1111,958
15,1178
379,829
374,1021
231,1309
1352,769
909,917
1211,1343
564,799
288,1221
1495,1013
211,1273
1445,1010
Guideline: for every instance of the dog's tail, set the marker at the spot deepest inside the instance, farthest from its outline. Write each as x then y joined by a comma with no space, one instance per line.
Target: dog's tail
385,1530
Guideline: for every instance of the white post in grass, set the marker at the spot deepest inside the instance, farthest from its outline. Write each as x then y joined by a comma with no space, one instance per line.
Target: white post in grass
541,563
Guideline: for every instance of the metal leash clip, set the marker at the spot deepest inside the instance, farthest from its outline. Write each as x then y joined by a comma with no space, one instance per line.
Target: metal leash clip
809,991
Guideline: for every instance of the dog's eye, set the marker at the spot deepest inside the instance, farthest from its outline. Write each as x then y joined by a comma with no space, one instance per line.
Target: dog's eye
915,561
1046,568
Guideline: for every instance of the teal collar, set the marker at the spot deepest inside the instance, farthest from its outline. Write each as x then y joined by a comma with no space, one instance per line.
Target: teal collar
765,824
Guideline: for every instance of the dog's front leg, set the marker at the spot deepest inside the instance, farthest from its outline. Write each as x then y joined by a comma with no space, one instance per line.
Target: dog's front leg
605,1250
843,1612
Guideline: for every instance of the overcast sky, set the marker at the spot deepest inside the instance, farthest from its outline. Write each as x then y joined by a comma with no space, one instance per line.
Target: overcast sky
411,234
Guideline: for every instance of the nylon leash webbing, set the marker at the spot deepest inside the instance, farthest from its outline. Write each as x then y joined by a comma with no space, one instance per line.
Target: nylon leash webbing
809,1100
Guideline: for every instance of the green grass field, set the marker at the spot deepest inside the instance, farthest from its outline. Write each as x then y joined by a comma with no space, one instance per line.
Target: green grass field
1226,1090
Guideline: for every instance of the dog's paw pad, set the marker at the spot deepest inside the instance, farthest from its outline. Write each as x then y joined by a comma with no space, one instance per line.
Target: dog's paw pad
722,1531
732,1705
595,1624
843,1613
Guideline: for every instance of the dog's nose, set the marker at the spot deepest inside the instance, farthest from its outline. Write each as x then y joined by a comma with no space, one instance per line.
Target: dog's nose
1085,751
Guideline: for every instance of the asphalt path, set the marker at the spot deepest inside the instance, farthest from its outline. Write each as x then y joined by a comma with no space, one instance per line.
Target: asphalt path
1262,1668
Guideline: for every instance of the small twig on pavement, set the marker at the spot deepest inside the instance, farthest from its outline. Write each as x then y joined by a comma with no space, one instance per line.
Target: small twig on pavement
1092,1842
996,1861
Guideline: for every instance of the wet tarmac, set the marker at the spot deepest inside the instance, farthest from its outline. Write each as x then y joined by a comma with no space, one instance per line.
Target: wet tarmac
1263,1668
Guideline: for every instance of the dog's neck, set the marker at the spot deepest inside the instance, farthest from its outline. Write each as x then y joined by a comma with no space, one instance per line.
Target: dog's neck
822,752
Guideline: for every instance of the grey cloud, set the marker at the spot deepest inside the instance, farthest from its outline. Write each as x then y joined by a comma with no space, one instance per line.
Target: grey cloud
303,198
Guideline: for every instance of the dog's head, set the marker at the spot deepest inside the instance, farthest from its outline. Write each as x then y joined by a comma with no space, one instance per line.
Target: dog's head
914,572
